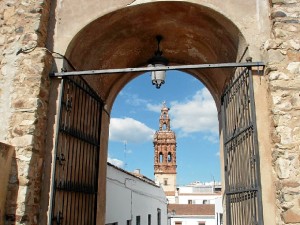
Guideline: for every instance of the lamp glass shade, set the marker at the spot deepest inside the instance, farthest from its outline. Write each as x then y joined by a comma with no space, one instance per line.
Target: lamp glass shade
158,77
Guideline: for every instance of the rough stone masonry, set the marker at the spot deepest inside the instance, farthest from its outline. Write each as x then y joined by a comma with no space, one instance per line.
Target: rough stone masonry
283,72
24,87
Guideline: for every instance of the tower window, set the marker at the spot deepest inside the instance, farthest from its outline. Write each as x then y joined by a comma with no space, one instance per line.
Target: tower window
169,157
161,158
166,181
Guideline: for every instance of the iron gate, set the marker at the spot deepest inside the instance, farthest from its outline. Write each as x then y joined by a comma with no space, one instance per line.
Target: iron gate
74,198
241,155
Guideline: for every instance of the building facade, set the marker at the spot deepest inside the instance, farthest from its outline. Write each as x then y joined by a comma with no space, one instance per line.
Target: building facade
196,203
197,214
41,37
133,199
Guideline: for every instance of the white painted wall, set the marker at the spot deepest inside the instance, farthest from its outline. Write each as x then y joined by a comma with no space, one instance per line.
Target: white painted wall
128,196
219,211
197,199
189,220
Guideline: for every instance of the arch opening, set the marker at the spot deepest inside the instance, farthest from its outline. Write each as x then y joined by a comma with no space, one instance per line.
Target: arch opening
193,112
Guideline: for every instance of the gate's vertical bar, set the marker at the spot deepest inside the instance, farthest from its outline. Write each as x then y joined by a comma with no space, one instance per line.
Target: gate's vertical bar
53,188
224,130
100,108
257,159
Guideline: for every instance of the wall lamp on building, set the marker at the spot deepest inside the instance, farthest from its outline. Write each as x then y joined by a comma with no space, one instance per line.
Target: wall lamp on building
158,77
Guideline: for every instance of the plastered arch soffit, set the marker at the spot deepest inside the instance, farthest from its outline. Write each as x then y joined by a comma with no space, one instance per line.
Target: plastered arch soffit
192,34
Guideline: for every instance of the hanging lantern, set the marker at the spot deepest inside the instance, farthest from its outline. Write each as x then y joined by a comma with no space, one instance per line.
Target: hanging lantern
158,77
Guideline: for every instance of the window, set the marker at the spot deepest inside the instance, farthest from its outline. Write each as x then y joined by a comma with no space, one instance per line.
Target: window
169,157
128,222
165,181
115,223
190,202
221,218
149,219
158,217
161,157
138,220
205,202
201,223
178,222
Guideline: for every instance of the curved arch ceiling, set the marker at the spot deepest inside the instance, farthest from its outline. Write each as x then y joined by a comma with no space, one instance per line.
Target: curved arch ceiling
192,34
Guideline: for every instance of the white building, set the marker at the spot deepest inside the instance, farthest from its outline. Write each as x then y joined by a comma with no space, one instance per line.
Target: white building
196,204
196,193
132,199
191,214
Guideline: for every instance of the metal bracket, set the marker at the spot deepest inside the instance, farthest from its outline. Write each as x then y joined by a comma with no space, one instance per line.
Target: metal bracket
148,69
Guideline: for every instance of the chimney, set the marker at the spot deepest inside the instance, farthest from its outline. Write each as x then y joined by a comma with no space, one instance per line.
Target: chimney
137,171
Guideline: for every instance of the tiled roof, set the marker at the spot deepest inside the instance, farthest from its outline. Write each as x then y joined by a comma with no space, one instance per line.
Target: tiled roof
192,209
139,176
170,193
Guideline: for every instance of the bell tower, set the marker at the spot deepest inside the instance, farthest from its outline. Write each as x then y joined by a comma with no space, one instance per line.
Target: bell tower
165,153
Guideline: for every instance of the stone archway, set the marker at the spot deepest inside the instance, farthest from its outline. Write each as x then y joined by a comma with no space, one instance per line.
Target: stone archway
193,34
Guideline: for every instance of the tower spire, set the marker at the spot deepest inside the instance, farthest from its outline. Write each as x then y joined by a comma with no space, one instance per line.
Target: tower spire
164,120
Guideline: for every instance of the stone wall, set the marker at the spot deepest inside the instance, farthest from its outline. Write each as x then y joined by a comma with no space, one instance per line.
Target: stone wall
283,70
24,84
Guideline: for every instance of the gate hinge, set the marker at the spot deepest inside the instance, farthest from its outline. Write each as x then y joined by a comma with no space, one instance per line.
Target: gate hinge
61,158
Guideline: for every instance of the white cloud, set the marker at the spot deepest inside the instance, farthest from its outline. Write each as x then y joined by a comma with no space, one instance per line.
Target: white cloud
154,108
134,99
130,130
198,114
218,154
213,138
116,162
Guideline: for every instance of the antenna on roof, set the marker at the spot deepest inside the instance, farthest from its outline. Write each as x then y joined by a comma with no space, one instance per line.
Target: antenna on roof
125,153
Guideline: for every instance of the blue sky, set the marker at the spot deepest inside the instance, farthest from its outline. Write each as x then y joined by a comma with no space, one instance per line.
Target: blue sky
135,118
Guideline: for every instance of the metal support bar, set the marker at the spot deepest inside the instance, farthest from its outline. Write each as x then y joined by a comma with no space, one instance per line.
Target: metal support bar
148,69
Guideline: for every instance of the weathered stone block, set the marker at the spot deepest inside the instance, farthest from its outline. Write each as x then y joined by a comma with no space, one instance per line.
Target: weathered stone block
278,14
270,44
292,215
284,120
279,33
295,44
277,75
275,56
25,140
294,67
282,168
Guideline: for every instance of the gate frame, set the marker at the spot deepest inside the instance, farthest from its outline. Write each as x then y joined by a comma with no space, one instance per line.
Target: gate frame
53,188
252,66
251,125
